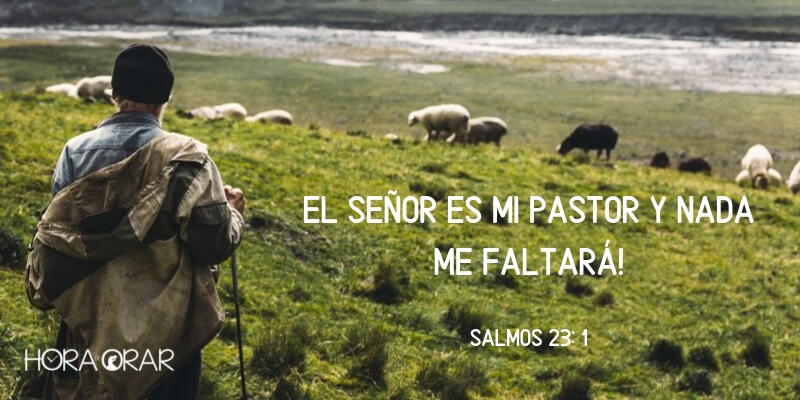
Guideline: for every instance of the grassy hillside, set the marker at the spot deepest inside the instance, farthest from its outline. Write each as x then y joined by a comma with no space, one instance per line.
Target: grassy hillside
538,100
355,311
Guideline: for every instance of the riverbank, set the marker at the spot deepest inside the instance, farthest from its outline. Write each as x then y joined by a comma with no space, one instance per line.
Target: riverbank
773,28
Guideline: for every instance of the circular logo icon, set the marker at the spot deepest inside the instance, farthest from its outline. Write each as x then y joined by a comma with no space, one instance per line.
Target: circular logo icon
51,359
112,360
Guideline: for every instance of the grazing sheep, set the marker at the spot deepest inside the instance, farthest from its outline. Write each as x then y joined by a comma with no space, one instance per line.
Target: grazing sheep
393,138
232,110
486,130
660,160
95,89
228,110
794,179
281,117
757,166
442,122
591,137
67,89
695,165
205,113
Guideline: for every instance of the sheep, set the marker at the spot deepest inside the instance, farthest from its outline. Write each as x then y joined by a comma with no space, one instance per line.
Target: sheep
590,137
232,110
694,165
95,89
392,137
228,110
281,117
794,179
442,122
660,160
486,130
757,166
67,89
205,113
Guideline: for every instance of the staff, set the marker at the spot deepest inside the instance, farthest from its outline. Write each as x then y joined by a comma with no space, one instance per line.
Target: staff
238,324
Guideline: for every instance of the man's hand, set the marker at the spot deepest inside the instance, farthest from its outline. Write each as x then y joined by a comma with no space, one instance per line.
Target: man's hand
235,198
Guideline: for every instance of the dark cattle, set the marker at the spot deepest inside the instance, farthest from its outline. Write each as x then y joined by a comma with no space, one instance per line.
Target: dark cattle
660,160
695,165
591,137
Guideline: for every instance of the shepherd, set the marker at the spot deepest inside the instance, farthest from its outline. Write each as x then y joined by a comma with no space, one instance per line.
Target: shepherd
126,252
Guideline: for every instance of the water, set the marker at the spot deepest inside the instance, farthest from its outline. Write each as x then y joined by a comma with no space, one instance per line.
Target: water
690,64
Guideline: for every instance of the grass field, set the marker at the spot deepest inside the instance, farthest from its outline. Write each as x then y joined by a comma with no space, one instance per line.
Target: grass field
540,105
355,311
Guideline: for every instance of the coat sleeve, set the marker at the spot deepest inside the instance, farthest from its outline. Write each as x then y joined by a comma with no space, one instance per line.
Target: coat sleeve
214,233
34,281
209,226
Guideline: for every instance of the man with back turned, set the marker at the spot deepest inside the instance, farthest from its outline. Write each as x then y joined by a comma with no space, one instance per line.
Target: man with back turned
126,249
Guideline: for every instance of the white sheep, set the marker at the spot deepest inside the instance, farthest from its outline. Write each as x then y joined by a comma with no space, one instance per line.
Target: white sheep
95,89
757,166
204,113
442,122
228,110
281,117
67,89
232,110
794,179
486,130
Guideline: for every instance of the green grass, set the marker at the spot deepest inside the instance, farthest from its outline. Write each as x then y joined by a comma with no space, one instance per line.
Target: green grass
540,106
694,285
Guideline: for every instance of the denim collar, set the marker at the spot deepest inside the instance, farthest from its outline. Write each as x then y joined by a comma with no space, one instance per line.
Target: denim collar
129,117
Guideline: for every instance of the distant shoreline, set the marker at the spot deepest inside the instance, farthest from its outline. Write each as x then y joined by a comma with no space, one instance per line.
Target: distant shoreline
763,28
680,26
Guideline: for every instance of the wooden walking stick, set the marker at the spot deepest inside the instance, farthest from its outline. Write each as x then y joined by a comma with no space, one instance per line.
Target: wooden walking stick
238,323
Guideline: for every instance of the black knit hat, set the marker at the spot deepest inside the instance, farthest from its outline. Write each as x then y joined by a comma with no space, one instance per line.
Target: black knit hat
142,73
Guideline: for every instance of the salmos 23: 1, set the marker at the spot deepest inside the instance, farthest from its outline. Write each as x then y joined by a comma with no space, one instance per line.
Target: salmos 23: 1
563,337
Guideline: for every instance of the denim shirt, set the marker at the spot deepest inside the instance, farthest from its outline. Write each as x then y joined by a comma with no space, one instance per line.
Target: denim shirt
114,140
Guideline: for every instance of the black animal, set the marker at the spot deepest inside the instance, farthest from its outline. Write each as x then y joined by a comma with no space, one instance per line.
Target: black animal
591,137
660,160
695,165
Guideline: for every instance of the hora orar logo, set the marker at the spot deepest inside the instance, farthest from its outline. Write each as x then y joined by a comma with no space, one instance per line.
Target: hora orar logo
111,360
